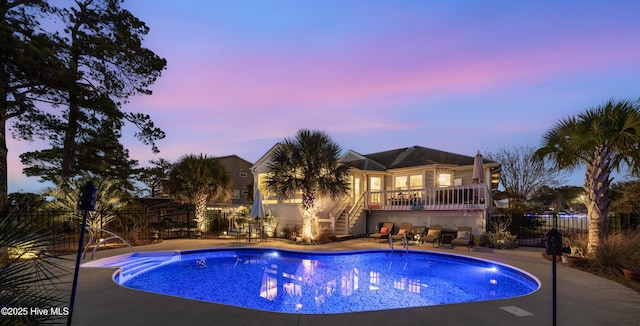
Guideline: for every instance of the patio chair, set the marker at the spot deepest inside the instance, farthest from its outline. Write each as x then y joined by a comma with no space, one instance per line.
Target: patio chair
255,231
405,229
170,227
384,233
237,230
464,237
433,235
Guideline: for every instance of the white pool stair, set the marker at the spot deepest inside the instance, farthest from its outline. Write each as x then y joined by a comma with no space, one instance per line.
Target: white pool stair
130,265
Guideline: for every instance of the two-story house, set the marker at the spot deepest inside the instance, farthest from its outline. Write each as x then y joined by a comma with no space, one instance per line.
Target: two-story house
417,185
167,214
239,171
241,179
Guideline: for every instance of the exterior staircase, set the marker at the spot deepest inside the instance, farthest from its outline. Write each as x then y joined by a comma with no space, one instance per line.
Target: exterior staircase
349,215
341,222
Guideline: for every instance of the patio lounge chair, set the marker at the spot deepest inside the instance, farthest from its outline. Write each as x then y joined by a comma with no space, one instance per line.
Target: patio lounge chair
405,229
464,237
384,233
433,235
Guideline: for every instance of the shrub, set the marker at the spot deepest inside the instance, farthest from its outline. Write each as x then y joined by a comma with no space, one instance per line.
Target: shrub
502,241
325,235
576,242
619,250
483,240
499,236
290,232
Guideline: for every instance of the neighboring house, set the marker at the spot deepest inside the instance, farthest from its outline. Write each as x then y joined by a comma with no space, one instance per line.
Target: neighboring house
165,212
239,171
418,185
241,179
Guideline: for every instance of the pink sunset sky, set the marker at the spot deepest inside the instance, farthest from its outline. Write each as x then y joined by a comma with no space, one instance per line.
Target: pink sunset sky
458,76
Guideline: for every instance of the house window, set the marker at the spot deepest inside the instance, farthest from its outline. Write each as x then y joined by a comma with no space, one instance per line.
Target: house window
236,194
376,184
356,187
375,190
401,183
243,174
408,182
444,180
415,181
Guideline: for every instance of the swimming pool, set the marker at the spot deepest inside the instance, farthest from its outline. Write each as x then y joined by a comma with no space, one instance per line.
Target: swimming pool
318,283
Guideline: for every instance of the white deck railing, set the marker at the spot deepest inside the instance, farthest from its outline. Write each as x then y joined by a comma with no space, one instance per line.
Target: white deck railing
444,198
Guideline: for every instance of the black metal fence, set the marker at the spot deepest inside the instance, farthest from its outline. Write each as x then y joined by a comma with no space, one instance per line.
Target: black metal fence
135,226
146,226
530,229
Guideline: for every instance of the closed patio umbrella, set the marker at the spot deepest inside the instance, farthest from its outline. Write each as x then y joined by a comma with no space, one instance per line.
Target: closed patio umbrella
256,209
478,171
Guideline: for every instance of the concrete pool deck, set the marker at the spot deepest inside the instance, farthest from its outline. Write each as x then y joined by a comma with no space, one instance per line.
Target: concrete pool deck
582,298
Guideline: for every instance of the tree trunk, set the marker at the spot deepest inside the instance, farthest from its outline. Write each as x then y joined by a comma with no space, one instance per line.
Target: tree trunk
71,132
309,218
201,210
4,151
309,225
306,231
597,181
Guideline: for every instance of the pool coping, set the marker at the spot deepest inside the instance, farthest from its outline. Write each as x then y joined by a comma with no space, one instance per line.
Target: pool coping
582,298
129,265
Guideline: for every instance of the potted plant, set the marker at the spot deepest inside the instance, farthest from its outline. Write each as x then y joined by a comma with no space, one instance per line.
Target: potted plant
565,253
575,247
631,268
575,259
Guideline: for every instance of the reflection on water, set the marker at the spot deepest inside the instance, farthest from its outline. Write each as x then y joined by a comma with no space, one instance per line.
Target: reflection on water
312,284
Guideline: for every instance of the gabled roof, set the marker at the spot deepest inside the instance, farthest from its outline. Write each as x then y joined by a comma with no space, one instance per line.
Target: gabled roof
233,158
366,164
359,161
409,157
264,158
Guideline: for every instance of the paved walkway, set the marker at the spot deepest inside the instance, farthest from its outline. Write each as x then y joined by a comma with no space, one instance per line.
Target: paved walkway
582,299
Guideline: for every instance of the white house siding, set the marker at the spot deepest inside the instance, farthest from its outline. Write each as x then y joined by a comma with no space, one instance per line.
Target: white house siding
448,219
386,166
289,216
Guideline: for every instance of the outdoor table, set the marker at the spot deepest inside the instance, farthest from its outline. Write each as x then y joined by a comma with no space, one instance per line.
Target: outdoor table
446,239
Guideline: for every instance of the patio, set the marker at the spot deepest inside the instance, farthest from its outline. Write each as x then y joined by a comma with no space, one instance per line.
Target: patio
582,299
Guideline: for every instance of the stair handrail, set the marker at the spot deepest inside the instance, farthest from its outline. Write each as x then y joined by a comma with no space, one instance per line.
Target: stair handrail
113,236
357,207
335,213
340,206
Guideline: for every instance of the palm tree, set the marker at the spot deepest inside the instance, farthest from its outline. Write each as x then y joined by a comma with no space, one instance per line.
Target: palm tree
309,165
30,273
111,200
602,139
197,179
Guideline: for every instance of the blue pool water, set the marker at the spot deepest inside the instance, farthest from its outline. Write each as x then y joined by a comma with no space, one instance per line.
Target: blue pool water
318,283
